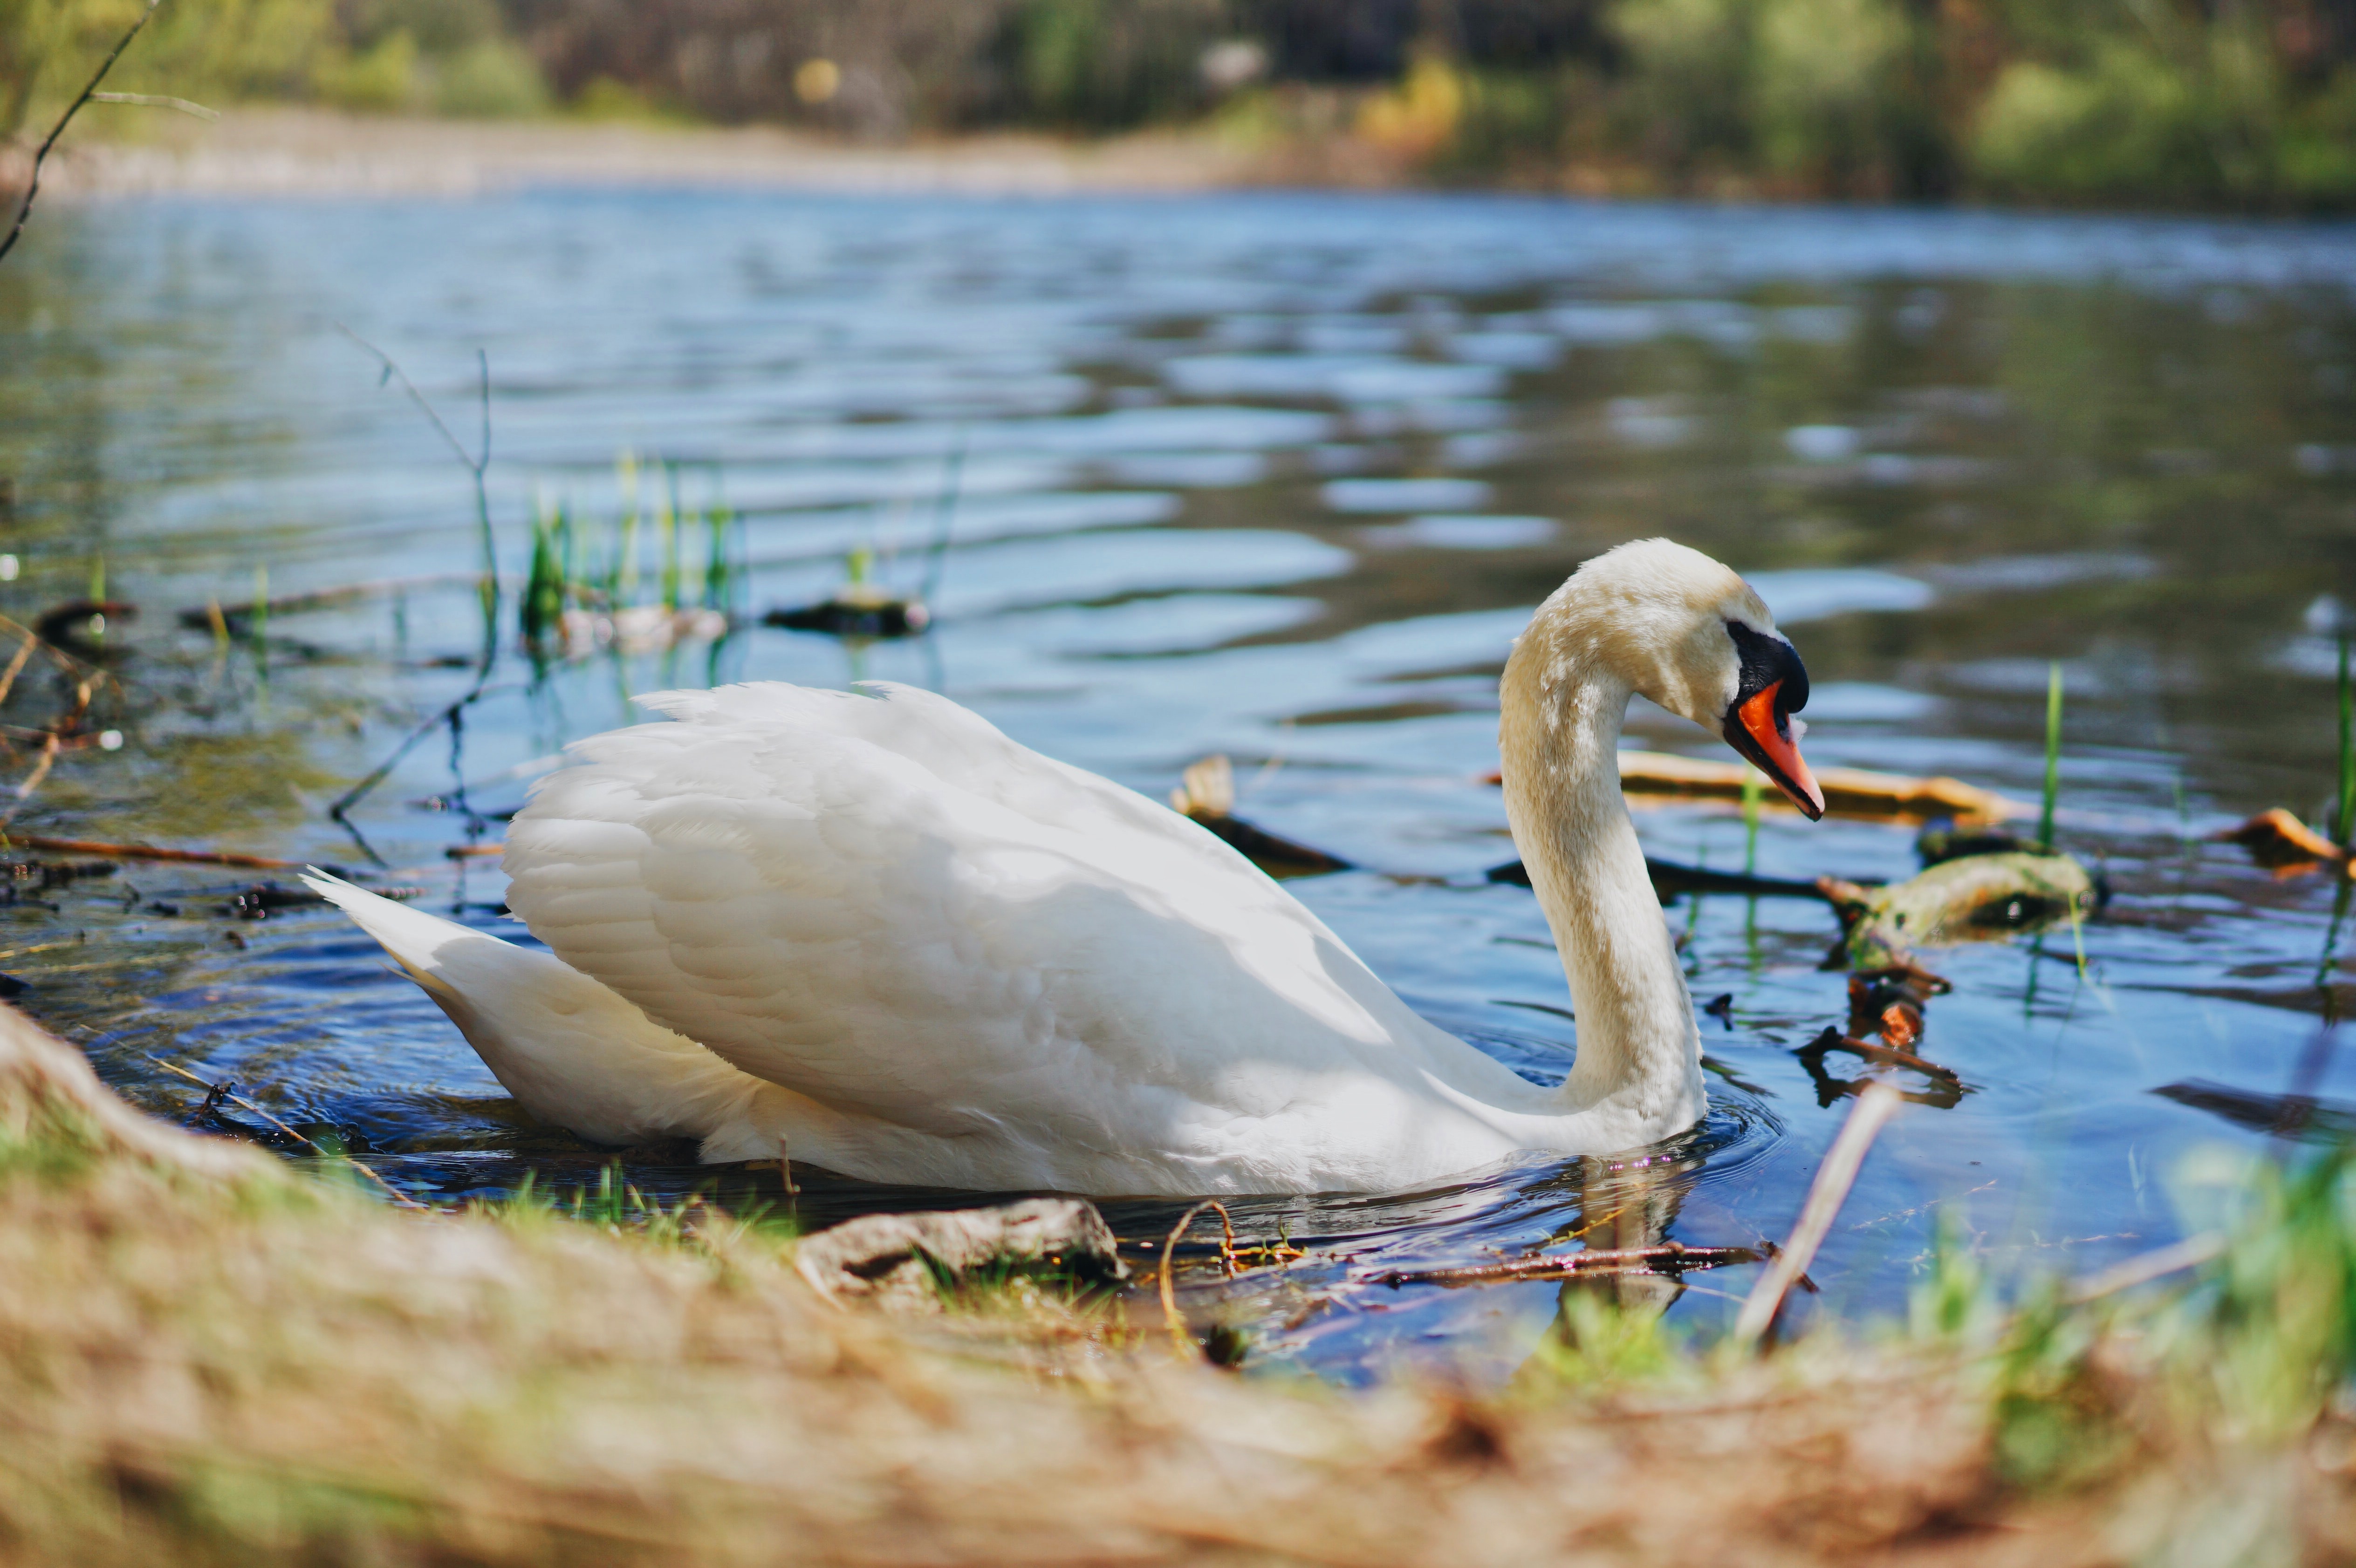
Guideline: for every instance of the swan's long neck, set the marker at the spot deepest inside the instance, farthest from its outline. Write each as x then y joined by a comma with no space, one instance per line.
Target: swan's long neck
1639,1052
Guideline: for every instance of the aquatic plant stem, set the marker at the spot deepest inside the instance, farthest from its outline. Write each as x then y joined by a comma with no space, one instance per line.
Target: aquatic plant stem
2343,820
1176,1324
1834,1177
1753,783
41,155
2052,755
476,466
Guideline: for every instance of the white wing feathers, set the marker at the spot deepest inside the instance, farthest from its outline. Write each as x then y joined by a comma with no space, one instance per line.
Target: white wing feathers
569,1051
879,900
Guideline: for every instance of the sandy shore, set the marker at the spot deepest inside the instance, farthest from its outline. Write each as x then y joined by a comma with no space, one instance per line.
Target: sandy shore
296,151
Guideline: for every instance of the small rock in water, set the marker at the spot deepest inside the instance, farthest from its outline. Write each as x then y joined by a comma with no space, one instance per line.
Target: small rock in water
1979,897
12,986
895,1259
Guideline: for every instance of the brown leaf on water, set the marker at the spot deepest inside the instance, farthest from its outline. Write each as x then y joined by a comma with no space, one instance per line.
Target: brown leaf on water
2281,842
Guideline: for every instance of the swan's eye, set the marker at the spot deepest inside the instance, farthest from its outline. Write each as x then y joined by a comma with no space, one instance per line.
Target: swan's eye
1768,662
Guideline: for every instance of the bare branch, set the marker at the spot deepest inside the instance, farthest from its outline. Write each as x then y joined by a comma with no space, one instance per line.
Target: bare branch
1834,1178
33,182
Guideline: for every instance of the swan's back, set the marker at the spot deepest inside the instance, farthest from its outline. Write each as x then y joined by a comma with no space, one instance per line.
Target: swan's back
881,901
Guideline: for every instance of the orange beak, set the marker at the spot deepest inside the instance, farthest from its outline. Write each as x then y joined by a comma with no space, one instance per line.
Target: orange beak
1770,745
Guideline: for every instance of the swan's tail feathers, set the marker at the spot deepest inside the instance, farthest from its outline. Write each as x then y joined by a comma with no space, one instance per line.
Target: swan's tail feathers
569,1051
410,936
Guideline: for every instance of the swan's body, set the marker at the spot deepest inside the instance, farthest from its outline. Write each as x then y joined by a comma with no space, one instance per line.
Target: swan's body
871,933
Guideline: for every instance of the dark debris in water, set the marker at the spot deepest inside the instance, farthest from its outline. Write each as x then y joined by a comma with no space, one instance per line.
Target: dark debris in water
57,873
2281,843
1207,797
1670,880
1943,840
2301,1116
79,627
258,901
839,617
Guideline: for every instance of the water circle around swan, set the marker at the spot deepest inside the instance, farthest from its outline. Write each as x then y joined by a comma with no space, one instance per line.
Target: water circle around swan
1272,477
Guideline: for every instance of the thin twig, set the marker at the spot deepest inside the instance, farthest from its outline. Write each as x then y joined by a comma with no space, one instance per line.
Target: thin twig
58,656
16,666
155,100
1169,1294
215,1093
105,850
33,779
1874,1106
1833,1039
2190,1253
353,795
1558,1265
33,181
478,466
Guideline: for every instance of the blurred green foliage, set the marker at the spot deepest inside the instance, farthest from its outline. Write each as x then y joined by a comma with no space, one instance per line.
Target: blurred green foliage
1102,64
193,49
449,57
2095,101
2171,102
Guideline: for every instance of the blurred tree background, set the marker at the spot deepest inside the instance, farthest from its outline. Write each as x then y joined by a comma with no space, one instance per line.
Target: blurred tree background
2240,104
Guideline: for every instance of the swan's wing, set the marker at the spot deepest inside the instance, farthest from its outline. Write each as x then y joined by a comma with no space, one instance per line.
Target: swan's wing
881,901
571,1051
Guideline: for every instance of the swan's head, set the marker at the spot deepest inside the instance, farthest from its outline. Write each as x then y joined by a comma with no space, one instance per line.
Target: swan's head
1690,634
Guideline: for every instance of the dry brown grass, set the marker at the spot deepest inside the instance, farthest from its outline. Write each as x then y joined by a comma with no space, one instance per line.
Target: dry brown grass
206,1359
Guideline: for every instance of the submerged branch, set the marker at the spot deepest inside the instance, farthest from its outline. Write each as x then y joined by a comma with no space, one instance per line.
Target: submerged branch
1669,1257
1874,1106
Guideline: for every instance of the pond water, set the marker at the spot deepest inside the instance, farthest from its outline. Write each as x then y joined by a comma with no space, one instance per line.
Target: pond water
1276,476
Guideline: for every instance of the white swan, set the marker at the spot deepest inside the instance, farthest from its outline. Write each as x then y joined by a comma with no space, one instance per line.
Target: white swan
868,932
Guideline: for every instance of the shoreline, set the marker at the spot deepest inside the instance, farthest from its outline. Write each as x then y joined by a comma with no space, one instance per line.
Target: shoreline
265,151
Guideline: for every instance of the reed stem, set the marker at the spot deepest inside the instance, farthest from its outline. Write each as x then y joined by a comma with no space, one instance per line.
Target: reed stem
2052,755
2344,819
1752,792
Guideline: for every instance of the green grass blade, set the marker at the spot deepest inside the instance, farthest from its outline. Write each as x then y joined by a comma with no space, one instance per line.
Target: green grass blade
2052,755
2343,821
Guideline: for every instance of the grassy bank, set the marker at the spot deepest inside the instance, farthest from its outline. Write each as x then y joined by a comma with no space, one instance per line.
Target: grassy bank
211,1358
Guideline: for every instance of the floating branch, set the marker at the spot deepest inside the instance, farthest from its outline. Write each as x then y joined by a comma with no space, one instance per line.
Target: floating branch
1849,791
2280,842
225,619
1833,1039
1208,795
1669,880
1874,1108
150,852
1669,1257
